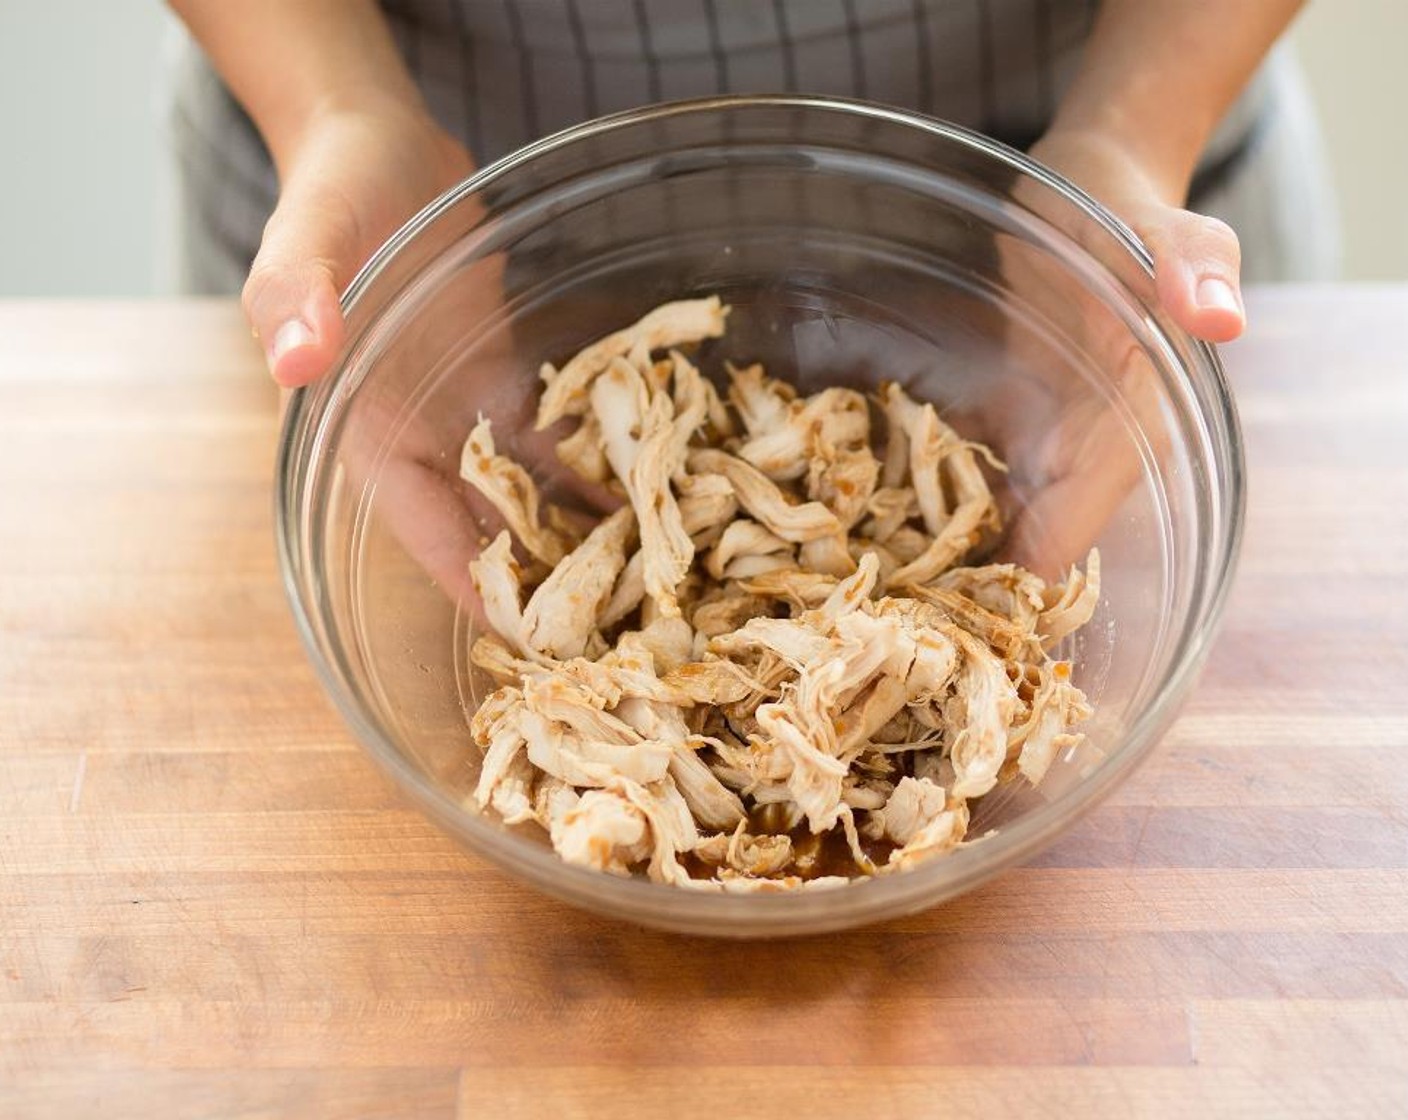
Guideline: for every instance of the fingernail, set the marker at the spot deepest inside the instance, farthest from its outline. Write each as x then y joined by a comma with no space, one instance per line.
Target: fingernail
290,336
1216,294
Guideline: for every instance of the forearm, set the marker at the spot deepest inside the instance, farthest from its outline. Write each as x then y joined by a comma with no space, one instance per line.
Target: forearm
1157,77
287,61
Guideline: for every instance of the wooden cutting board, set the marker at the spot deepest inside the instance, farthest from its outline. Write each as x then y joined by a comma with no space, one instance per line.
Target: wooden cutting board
211,905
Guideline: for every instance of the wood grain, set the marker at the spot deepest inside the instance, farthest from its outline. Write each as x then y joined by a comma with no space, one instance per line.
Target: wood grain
211,904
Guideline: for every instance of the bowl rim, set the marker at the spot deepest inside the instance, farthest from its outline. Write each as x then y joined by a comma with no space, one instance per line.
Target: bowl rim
862,901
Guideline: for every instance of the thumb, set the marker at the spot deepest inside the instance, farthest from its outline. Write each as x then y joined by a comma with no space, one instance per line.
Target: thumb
1196,265
308,253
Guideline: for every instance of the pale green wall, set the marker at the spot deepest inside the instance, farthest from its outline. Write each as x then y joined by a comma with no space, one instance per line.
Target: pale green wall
81,156
1354,54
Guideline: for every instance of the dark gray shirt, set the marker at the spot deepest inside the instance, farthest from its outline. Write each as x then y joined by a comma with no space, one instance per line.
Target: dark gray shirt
501,73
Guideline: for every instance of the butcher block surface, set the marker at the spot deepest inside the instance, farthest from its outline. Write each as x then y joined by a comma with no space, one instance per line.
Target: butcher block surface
211,904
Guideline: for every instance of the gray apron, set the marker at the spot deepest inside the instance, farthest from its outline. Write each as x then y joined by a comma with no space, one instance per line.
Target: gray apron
500,73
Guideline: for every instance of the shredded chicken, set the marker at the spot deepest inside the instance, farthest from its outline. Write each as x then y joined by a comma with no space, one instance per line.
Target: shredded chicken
760,496
511,491
562,613
671,324
767,671
740,548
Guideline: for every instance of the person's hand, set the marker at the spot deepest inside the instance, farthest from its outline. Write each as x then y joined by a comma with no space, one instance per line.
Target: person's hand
1073,457
354,176
352,179
1196,258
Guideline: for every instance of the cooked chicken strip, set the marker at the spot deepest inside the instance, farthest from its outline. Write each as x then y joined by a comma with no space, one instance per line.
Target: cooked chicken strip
890,508
847,595
1006,637
691,401
506,775
619,400
627,595
1004,589
936,450
880,703
511,491
1071,605
714,681
727,613
841,478
935,662
671,324
894,468
669,641
982,705
490,654
860,546
794,640
975,511
759,855
1045,733
762,401
713,804
551,801
639,357
838,417
913,806
864,795
672,827
927,439
801,726
494,573
745,567
567,756
848,824
907,544
657,376
935,652
563,612
762,498
870,644
944,833
754,856
799,730
664,544
601,684
584,451
830,556
602,830
718,420
803,590
562,699
707,507
744,538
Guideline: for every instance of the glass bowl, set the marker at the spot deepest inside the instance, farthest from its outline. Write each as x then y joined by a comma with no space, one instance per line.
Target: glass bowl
854,243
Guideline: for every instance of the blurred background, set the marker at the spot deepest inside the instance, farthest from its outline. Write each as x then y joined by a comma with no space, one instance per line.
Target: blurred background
87,183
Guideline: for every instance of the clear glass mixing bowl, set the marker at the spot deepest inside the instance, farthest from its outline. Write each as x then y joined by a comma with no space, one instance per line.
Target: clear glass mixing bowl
855,243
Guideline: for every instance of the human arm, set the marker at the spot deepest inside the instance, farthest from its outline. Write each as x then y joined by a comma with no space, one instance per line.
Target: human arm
1154,82
355,148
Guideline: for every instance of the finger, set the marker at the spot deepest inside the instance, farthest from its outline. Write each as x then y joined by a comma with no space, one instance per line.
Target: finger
1095,473
309,250
427,514
563,485
1060,525
1197,262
